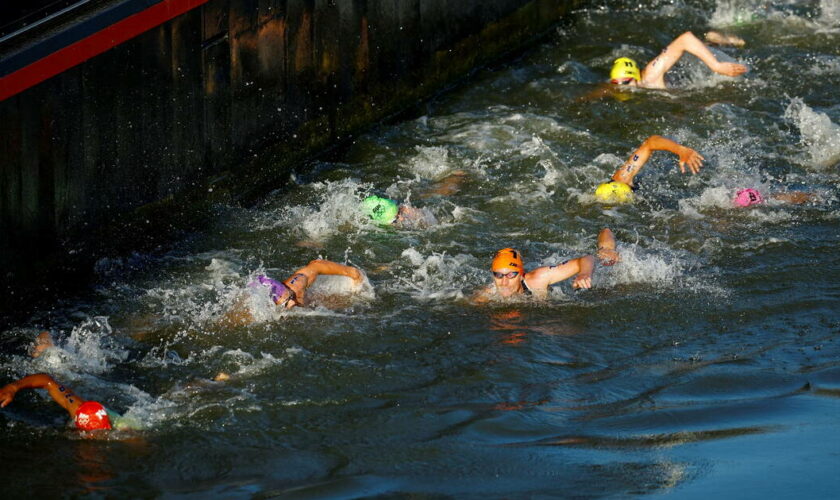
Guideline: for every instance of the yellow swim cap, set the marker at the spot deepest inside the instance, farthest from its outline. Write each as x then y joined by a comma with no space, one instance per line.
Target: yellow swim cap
614,192
624,67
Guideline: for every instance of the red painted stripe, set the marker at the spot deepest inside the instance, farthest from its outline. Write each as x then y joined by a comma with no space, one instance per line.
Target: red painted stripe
93,45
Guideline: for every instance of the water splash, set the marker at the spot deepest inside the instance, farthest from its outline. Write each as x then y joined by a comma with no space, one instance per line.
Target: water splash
334,206
431,162
830,12
738,12
91,348
819,135
437,276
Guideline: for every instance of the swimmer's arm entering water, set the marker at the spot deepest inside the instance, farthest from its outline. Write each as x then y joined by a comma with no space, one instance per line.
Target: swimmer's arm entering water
317,267
653,76
607,253
61,394
304,277
633,165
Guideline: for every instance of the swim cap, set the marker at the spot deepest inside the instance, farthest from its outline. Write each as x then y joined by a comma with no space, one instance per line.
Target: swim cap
614,192
91,416
278,290
747,197
507,258
381,210
624,67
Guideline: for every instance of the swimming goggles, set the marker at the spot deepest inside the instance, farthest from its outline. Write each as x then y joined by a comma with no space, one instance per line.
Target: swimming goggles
509,275
291,296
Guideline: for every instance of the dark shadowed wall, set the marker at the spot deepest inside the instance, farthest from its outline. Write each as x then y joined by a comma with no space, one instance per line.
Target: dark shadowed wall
175,116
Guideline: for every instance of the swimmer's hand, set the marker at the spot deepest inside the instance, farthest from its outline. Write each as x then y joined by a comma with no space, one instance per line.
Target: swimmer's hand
691,158
582,280
729,69
7,395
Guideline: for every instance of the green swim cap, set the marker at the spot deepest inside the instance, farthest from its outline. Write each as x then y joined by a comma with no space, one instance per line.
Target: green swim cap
381,210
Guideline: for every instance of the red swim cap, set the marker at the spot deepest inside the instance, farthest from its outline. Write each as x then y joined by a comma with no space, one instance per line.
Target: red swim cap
92,416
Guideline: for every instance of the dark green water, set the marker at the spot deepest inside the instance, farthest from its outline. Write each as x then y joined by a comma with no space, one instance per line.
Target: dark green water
706,363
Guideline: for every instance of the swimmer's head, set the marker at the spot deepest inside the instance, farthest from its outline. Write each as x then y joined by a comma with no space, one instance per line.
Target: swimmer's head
507,258
91,416
280,294
747,197
624,70
382,210
614,192
508,272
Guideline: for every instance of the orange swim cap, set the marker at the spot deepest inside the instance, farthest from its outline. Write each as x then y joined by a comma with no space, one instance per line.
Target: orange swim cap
507,258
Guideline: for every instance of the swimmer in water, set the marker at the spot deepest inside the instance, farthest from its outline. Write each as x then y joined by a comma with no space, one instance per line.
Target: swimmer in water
626,72
387,212
86,414
747,197
620,187
291,292
511,279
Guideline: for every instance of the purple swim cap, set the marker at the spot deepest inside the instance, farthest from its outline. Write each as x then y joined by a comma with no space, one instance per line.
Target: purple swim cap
747,197
277,289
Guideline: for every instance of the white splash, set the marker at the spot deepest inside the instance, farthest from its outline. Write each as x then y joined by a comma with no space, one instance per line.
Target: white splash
737,12
819,135
436,276
430,162
640,266
830,12
90,348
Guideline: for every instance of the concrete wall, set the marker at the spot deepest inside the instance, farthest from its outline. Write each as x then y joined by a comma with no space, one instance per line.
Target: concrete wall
175,116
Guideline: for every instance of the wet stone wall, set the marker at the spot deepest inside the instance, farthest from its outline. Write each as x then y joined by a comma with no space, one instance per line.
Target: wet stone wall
218,104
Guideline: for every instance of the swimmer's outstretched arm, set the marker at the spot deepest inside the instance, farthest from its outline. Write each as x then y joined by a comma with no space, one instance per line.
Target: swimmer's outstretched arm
637,160
61,394
317,267
653,76
542,277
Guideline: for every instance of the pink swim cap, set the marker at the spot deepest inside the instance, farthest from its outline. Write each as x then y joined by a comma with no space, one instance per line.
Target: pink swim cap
747,197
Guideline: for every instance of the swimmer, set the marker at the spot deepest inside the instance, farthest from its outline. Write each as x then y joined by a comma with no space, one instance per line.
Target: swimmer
387,212
620,187
42,342
626,72
291,292
748,197
86,414
511,279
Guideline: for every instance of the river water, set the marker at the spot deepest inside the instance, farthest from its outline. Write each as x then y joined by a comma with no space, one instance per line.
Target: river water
707,362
